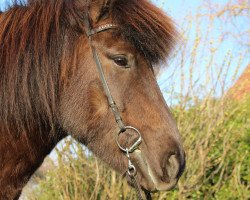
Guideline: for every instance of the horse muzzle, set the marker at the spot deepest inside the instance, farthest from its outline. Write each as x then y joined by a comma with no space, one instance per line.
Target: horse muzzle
147,176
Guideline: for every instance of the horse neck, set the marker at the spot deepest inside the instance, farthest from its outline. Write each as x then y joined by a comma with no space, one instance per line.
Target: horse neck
20,155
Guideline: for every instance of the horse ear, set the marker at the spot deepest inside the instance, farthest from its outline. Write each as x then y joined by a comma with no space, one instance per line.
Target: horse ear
99,9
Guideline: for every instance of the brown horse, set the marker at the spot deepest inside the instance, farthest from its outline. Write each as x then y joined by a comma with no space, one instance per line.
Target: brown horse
50,87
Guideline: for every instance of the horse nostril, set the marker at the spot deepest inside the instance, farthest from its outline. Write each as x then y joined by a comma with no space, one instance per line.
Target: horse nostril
172,167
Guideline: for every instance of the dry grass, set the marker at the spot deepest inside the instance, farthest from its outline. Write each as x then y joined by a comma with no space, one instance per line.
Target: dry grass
215,129
216,136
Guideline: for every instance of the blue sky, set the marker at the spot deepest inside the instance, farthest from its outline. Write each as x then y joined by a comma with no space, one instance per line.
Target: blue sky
227,52
3,3
170,78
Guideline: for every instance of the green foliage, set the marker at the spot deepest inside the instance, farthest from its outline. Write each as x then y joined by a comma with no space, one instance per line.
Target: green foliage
215,132
217,144
216,136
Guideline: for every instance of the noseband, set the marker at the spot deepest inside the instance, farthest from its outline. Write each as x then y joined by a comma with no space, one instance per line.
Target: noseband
131,170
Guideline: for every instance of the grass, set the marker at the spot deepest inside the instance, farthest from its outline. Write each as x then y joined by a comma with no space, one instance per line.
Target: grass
216,137
215,128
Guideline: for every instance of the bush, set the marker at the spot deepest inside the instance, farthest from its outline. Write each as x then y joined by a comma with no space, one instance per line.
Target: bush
215,129
216,137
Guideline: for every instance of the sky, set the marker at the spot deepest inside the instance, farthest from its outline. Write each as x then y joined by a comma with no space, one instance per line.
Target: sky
227,52
227,55
170,79
3,3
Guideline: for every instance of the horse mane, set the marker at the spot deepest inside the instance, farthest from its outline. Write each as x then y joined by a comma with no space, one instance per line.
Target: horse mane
146,27
36,55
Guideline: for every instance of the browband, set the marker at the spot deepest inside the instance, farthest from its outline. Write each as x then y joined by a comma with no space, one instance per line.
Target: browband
101,28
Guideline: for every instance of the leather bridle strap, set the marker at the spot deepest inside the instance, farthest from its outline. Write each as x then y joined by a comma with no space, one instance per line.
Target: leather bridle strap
111,101
131,168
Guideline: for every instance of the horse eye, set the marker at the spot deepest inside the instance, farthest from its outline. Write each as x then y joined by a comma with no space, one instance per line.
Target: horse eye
121,61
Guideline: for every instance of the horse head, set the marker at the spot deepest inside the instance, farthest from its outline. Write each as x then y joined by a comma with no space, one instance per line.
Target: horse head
142,37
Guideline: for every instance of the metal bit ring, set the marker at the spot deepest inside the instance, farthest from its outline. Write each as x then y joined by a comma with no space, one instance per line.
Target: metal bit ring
135,145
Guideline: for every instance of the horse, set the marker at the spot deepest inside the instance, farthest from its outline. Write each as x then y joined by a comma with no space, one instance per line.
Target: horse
86,69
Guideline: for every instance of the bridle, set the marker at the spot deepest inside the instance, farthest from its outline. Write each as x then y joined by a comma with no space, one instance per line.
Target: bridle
131,170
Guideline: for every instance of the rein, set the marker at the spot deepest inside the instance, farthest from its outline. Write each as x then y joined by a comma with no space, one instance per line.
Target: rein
131,170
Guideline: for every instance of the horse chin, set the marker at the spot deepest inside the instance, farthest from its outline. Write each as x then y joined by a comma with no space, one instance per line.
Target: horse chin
147,179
